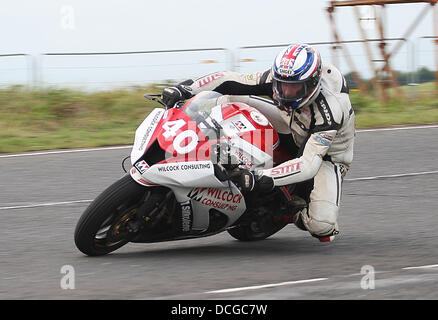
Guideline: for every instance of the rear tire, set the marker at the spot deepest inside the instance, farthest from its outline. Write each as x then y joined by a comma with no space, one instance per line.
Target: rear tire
102,227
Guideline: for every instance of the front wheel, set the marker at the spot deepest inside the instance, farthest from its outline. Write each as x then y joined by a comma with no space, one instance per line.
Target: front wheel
103,227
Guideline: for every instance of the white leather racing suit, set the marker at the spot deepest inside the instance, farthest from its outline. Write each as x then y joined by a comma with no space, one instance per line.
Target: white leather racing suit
323,129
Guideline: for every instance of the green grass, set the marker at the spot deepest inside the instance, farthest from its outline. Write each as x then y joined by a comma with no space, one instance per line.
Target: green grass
51,118
62,118
415,105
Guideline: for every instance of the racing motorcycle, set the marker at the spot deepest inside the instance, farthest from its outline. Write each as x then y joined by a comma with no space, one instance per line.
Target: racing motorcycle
180,183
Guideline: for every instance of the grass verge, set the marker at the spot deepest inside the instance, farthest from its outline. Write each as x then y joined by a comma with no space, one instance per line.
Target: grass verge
63,118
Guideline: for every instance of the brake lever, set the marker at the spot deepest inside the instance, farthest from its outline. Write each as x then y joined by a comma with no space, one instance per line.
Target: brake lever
155,97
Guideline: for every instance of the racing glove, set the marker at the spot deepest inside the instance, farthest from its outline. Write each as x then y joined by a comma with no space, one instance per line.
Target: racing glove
172,95
249,181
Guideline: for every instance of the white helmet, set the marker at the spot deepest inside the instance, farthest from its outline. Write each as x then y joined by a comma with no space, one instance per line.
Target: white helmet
296,76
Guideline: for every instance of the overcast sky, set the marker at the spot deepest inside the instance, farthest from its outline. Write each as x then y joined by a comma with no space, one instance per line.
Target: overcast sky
41,26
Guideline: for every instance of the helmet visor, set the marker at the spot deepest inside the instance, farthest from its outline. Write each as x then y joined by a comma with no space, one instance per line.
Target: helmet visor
290,93
292,90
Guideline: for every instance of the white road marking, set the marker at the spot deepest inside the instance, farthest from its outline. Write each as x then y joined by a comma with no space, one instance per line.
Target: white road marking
38,153
388,281
287,283
398,128
35,205
47,204
422,267
393,176
28,154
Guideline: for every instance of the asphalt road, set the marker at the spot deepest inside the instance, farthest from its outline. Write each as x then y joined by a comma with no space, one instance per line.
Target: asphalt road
387,248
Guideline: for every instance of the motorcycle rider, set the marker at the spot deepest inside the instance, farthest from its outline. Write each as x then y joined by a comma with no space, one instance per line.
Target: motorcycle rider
310,104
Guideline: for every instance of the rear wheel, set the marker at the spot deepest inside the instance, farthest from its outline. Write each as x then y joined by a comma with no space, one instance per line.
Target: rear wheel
104,225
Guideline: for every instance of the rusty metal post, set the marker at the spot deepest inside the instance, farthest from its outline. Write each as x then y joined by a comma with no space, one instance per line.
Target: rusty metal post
374,81
350,62
385,55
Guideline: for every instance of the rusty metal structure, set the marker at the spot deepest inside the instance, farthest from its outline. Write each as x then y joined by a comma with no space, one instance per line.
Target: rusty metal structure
384,77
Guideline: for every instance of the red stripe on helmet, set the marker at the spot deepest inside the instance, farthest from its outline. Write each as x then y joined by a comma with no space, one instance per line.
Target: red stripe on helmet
291,54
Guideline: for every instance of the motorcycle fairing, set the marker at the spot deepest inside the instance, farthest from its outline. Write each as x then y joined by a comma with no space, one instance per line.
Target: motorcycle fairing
181,138
250,125
229,201
183,174
251,156
186,166
144,134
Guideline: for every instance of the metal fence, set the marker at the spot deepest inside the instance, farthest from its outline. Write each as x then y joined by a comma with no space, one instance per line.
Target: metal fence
103,70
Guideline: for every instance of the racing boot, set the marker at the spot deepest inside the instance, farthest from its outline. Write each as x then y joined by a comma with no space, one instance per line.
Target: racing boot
328,238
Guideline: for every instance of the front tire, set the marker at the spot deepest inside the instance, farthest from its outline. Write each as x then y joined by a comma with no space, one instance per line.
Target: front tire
102,227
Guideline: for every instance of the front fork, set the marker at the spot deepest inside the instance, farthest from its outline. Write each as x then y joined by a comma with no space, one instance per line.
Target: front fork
147,217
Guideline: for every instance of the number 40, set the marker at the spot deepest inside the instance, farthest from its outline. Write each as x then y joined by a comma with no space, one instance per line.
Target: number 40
172,127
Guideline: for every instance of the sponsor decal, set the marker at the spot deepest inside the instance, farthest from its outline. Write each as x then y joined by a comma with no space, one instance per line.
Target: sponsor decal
254,76
142,166
324,139
215,193
325,136
216,198
195,166
239,125
243,158
177,167
326,112
289,169
206,80
218,205
196,194
284,71
186,216
320,140
149,129
259,118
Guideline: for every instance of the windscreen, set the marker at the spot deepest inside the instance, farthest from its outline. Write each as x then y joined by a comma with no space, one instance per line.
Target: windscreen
200,110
